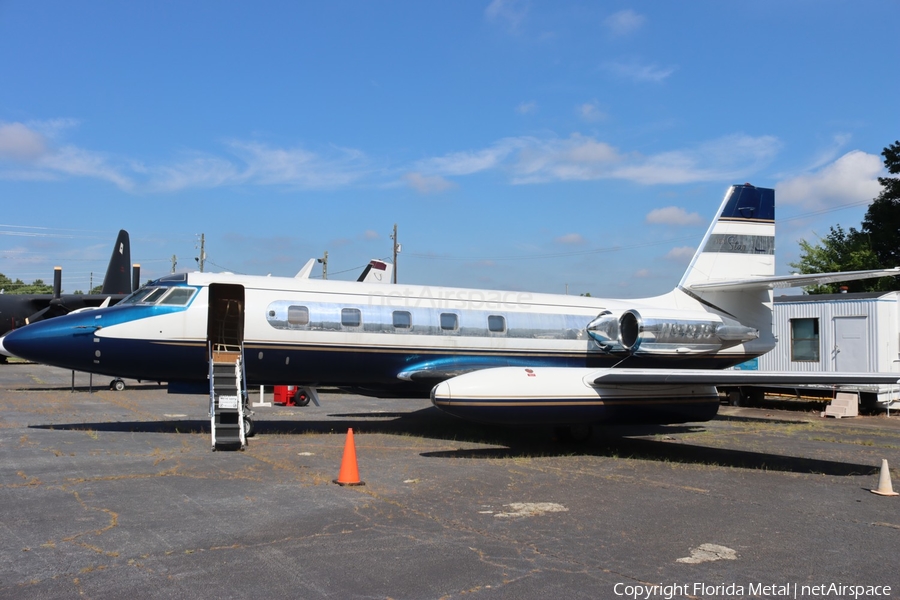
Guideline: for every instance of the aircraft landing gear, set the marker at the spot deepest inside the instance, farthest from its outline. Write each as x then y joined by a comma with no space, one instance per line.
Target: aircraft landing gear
117,384
249,429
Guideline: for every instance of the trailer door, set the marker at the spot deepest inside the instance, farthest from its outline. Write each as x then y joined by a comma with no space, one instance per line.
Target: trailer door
851,344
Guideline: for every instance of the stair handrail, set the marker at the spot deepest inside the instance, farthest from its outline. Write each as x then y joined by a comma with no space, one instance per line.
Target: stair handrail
211,375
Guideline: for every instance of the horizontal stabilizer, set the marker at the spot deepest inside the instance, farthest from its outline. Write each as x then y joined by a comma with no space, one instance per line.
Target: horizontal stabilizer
788,281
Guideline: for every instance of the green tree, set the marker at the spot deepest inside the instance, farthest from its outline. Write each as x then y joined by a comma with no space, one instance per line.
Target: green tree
20,287
882,220
36,287
874,246
841,251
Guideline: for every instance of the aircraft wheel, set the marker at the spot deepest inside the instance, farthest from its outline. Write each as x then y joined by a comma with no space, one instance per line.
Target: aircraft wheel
249,429
117,385
301,399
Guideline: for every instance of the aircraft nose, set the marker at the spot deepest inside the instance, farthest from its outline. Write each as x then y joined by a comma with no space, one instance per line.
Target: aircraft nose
60,341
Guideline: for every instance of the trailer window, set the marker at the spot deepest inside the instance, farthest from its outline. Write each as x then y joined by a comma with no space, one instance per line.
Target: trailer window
805,340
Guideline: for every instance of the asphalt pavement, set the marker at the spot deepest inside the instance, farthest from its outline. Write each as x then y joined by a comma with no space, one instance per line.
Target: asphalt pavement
117,494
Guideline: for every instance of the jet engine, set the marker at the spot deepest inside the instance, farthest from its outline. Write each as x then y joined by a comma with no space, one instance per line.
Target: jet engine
644,332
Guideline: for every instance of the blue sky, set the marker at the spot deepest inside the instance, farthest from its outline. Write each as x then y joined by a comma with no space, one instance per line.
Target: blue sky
517,144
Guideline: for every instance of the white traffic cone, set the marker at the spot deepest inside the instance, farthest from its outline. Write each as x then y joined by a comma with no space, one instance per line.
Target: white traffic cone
884,481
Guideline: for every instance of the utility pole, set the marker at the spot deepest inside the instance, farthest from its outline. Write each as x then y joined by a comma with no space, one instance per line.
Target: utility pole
324,263
174,262
202,258
396,251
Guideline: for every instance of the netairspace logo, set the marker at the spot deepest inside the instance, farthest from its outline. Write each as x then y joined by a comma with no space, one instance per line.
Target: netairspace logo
735,590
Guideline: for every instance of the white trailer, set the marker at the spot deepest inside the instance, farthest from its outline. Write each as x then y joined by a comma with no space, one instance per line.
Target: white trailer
857,332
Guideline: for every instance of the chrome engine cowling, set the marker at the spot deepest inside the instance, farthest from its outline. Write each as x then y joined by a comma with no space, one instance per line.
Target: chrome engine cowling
660,331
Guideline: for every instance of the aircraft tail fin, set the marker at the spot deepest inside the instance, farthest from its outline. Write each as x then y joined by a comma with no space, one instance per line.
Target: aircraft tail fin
738,251
377,271
740,242
118,273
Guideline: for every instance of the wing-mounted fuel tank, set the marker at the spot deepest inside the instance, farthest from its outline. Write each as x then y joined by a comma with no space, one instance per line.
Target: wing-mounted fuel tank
643,332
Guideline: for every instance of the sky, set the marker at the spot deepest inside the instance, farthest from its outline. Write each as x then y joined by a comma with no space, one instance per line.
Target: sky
565,147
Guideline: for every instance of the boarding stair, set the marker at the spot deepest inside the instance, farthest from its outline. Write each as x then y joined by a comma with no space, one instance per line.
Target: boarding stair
230,420
845,404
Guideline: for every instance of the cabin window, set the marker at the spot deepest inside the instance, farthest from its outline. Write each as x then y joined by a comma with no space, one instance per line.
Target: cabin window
402,319
496,323
805,340
351,317
179,296
298,315
449,321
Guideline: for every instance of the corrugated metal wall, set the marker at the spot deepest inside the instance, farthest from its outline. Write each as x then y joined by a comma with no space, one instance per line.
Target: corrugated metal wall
882,332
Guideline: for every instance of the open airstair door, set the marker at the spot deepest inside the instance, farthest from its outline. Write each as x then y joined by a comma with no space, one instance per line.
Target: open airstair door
230,417
225,324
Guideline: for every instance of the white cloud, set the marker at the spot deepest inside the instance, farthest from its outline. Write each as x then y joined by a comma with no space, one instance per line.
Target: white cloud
34,157
19,143
70,160
682,254
636,71
585,158
642,273
299,167
527,108
623,22
725,158
575,158
425,184
511,12
27,153
467,163
850,179
590,111
674,215
199,171
574,239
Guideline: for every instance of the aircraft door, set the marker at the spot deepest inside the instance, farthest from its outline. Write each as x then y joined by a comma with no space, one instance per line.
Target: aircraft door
225,322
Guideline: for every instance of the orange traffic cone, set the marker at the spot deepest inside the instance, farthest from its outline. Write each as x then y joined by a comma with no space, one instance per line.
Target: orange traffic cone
349,474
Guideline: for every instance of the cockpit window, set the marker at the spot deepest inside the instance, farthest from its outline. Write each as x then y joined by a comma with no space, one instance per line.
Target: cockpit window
164,295
153,296
138,296
178,296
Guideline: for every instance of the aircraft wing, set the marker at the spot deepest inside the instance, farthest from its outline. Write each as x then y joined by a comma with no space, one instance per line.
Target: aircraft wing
787,281
721,377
